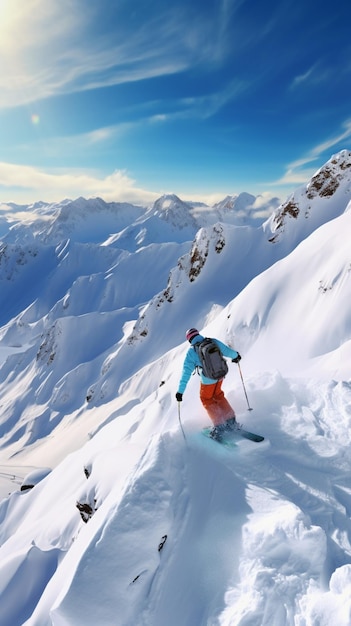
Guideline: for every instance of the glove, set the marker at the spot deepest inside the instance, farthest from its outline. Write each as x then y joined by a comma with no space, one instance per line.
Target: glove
179,396
237,359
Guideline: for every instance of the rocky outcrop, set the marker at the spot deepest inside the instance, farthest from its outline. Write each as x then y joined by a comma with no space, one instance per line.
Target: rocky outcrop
331,181
327,180
189,268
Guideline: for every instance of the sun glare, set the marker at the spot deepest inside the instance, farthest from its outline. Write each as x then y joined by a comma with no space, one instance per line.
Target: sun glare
8,15
5,9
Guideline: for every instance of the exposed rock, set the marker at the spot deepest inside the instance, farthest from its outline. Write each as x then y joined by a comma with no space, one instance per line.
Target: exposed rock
326,181
335,175
86,510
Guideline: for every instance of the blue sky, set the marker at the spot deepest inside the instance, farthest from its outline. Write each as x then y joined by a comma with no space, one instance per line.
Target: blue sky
131,99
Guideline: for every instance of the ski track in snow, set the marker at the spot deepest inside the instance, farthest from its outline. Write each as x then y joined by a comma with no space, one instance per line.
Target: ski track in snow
258,535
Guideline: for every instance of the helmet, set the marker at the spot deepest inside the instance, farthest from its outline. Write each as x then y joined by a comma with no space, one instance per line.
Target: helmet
191,333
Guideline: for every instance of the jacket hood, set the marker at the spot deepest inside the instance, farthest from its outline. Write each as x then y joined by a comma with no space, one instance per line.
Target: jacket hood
196,339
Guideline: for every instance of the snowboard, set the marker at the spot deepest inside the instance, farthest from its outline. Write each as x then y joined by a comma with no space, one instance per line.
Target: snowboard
230,436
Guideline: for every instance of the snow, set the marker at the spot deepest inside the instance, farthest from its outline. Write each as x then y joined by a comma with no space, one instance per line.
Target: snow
129,522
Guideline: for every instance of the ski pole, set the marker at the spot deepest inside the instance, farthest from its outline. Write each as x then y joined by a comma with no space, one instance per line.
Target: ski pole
180,422
242,380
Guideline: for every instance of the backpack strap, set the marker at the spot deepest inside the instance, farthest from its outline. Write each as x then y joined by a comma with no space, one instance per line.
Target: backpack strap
198,368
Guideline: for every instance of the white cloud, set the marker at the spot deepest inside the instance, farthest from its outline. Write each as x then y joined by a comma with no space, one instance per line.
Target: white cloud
309,75
298,173
329,143
34,37
22,183
55,47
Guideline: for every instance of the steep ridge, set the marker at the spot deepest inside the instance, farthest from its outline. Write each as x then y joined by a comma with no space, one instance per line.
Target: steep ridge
294,315
324,197
83,285
258,534
82,220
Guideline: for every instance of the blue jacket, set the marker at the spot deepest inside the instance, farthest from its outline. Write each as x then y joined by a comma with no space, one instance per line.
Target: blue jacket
192,361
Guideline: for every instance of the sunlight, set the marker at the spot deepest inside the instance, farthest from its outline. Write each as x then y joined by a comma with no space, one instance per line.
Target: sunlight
18,43
5,12
9,12
4,5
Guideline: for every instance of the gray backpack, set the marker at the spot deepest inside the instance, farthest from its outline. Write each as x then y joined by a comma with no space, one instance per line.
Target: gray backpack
213,364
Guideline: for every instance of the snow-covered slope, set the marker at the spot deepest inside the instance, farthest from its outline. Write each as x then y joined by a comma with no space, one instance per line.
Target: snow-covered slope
54,291
324,197
245,209
83,220
136,525
295,316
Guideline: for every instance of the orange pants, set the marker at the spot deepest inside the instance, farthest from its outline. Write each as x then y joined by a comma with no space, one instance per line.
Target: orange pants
215,403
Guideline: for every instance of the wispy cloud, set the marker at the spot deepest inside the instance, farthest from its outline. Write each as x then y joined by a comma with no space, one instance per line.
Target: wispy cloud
301,170
49,47
302,78
203,106
314,75
33,38
79,143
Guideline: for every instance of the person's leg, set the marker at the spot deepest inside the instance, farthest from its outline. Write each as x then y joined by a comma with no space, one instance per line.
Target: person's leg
226,411
215,403
207,398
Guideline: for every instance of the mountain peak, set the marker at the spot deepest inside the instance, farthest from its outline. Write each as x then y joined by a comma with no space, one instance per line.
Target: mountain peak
236,203
327,179
172,209
323,198
92,349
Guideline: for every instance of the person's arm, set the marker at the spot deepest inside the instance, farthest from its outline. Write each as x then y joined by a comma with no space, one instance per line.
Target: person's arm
188,368
227,351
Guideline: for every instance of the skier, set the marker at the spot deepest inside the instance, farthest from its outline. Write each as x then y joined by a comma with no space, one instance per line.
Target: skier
212,396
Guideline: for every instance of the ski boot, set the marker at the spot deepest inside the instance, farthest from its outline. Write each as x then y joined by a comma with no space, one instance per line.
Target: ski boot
231,424
216,433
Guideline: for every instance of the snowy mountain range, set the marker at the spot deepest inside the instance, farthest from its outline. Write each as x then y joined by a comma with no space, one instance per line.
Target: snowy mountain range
129,522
